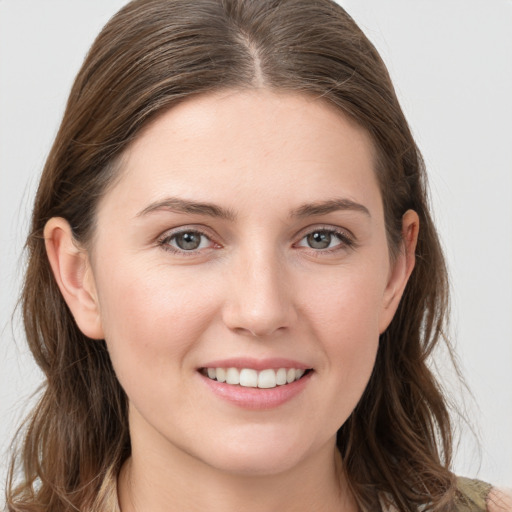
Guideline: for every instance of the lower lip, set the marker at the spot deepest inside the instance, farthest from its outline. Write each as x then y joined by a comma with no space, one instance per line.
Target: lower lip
257,398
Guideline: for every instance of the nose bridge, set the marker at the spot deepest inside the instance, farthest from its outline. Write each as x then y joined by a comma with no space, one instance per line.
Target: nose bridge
260,299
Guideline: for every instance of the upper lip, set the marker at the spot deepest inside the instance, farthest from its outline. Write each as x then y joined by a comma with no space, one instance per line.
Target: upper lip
256,364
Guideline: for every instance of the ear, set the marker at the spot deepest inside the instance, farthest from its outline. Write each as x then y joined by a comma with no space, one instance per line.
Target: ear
71,268
401,269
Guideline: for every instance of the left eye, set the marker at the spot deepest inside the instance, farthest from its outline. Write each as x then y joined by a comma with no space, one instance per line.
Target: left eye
321,239
188,241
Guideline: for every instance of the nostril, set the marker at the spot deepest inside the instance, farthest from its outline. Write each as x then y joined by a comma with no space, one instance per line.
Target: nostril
260,333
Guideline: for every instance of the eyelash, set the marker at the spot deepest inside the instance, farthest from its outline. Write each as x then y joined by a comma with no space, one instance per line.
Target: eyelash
164,241
346,240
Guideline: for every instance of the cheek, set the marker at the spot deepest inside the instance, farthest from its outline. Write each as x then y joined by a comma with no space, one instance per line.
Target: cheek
349,305
351,344
346,320
151,316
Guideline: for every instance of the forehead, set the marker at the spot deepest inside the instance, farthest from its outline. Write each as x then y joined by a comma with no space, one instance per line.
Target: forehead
240,146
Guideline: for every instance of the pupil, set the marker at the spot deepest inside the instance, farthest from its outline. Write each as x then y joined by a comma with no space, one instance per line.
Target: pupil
319,240
188,241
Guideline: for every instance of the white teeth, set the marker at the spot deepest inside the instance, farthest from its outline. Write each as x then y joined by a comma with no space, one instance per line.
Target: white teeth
232,376
220,374
267,379
281,376
249,378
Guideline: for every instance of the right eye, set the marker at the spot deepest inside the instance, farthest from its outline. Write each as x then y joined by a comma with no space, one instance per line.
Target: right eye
186,241
326,240
322,239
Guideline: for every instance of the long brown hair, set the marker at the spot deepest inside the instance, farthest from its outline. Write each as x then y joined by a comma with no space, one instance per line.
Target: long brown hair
149,57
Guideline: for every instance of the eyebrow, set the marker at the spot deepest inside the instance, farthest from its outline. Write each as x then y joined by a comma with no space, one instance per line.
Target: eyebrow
329,206
178,205
175,204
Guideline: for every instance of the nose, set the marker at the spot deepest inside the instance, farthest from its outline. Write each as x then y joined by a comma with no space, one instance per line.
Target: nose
259,297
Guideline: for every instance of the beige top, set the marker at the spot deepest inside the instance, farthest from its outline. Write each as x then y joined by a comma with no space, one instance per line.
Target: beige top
475,493
473,497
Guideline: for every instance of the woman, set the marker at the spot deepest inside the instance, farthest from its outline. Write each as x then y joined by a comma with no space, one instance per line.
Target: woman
242,280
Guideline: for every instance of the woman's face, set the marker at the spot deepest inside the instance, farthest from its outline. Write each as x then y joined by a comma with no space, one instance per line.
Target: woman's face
244,240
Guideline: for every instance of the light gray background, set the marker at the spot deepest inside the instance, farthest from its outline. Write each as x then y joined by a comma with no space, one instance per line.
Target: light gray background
451,61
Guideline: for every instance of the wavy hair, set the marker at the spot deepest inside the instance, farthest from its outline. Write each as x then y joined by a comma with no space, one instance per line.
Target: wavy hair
152,55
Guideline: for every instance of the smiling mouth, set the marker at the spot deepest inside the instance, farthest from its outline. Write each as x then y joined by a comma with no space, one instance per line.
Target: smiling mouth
250,378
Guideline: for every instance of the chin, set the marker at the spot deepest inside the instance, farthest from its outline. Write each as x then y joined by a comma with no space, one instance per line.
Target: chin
255,464
256,455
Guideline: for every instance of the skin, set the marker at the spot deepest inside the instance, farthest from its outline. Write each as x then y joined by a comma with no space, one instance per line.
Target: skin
499,500
254,288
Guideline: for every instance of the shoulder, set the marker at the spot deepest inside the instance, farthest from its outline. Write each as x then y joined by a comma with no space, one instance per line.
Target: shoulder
478,496
499,500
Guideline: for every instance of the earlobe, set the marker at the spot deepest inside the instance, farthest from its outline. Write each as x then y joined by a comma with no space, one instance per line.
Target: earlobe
72,271
401,269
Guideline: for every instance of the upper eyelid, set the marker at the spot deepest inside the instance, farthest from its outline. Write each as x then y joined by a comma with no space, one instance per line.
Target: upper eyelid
203,230
325,227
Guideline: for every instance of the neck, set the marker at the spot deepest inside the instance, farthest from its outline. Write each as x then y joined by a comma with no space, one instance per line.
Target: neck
150,481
